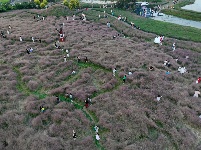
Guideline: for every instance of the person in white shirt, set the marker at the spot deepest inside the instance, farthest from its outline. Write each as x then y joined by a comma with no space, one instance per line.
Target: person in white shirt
114,71
96,128
173,46
20,39
32,38
158,98
97,137
196,94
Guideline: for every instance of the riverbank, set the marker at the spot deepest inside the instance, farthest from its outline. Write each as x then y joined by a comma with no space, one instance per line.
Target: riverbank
194,7
172,19
190,14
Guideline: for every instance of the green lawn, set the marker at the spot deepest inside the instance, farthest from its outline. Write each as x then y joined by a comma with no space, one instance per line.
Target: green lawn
181,13
159,27
4,1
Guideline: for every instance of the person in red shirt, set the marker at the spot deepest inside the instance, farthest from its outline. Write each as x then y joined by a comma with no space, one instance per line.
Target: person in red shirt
199,80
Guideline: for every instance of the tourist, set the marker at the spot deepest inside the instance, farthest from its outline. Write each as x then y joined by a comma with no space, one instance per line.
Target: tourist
114,71
198,80
73,72
97,137
74,135
42,109
168,64
124,78
86,59
31,49
182,70
196,94
158,98
32,38
87,103
130,73
58,99
78,59
173,47
151,68
71,97
20,39
96,128
8,32
28,51
167,72
165,62
64,58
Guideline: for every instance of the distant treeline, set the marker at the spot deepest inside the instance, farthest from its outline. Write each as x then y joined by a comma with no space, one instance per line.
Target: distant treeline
24,5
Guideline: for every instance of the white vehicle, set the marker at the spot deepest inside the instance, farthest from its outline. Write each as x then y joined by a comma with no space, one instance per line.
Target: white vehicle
142,3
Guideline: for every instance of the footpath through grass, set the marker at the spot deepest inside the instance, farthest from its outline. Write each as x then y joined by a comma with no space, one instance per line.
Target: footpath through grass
154,26
182,13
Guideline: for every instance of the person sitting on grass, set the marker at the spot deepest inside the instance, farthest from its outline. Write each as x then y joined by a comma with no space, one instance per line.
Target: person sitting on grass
167,72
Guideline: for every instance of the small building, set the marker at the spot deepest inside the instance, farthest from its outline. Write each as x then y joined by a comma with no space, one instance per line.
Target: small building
142,9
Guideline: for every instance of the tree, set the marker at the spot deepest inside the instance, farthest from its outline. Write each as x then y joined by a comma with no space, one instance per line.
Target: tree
42,5
37,2
125,4
45,2
71,4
